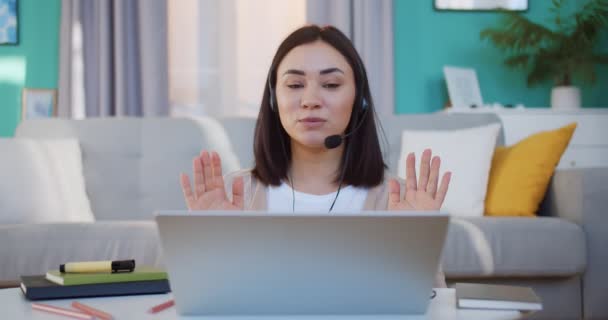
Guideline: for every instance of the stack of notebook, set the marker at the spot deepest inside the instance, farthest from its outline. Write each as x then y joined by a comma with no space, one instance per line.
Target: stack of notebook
55,284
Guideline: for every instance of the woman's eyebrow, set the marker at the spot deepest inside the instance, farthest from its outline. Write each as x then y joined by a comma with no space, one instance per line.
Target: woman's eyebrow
293,71
330,70
322,72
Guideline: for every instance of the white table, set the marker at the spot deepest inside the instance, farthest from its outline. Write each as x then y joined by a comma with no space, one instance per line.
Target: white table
13,305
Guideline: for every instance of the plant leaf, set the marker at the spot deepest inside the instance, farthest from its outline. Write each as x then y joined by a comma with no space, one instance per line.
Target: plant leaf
590,20
600,58
519,34
520,60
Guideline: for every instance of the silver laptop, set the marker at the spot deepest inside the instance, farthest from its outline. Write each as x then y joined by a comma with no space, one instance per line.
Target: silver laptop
257,263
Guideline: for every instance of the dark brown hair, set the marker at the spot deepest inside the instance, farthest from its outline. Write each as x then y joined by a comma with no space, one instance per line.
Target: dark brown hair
365,166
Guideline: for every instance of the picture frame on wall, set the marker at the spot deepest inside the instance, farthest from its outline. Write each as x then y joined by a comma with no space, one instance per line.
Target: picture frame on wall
38,103
9,18
485,5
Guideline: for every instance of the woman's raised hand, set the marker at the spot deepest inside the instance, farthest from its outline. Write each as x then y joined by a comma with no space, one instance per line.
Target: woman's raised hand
424,194
209,192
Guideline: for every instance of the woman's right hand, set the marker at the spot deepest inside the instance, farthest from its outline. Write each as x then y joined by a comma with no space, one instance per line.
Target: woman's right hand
209,192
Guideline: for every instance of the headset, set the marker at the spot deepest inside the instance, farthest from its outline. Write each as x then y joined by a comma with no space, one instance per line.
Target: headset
332,141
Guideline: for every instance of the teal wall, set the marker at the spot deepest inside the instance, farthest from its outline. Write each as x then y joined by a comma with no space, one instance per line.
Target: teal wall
33,63
426,40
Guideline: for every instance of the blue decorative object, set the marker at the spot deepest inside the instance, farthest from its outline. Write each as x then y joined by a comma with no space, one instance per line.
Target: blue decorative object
8,22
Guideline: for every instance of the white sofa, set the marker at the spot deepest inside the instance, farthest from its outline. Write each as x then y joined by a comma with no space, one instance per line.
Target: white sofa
131,169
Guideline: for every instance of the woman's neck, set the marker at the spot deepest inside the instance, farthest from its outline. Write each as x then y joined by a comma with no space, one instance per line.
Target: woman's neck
314,170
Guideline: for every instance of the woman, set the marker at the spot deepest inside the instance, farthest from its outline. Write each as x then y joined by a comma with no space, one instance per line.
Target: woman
316,146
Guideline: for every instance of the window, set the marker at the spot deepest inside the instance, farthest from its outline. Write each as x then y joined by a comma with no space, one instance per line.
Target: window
220,52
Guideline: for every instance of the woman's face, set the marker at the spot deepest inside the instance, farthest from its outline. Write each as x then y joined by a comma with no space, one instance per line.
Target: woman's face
315,93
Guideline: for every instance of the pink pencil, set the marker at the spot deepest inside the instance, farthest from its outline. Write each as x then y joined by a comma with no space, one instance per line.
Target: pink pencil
162,306
92,311
61,311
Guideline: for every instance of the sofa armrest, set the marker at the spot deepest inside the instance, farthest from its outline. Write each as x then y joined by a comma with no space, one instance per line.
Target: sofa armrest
30,249
581,196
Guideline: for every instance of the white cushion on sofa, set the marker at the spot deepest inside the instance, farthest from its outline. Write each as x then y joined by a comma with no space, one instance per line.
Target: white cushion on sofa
42,181
467,153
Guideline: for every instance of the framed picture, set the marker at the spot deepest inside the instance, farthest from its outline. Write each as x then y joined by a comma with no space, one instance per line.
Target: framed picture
483,5
38,103
8,22
463,87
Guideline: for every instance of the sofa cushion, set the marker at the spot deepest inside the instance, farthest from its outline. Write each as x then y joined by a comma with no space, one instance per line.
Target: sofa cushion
132,165
30,249
466,153
241,131
42,181
521,173
391,126
513,246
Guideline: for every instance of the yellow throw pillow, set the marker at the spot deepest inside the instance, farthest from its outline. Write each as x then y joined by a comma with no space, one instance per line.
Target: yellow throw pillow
520,173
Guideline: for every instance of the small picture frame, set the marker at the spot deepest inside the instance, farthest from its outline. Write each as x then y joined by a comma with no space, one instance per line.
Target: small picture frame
463,87
9,29
38,103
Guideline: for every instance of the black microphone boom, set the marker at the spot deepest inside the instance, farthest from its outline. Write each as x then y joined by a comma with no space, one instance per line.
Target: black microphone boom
333,141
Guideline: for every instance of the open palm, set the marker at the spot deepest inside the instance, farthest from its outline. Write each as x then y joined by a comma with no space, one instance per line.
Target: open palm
424,194
209,192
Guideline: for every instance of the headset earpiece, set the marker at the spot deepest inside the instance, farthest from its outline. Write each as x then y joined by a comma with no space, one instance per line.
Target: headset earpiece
271,98
270,93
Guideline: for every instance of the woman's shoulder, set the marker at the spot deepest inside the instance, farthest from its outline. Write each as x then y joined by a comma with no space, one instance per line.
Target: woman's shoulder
388,177
377,197
248,178
238,173
254,190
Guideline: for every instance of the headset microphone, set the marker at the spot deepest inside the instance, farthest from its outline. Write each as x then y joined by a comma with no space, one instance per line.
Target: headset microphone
335,140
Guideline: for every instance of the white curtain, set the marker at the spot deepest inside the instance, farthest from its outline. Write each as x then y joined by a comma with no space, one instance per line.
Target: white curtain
220,52
113,58
369,24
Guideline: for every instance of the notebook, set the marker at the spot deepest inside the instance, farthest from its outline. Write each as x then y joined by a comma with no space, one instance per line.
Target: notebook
39,288
502,297
139,274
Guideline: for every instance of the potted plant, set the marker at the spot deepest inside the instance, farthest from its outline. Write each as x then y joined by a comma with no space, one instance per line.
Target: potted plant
561,54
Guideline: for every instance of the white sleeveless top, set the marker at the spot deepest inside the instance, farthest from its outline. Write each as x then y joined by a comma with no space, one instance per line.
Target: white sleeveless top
350,199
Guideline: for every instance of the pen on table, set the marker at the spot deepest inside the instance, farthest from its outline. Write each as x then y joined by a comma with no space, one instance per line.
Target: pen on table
98,266
92,311
162,306
61,311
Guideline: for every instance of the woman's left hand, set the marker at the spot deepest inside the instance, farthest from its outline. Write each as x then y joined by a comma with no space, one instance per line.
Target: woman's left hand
424,194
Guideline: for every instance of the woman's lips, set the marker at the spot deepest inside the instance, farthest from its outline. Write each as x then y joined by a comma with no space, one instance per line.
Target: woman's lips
312,122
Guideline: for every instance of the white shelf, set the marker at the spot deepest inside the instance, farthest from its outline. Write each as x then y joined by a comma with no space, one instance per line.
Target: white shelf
588,146
530,110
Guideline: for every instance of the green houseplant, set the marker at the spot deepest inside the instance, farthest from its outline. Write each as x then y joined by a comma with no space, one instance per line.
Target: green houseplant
561,54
